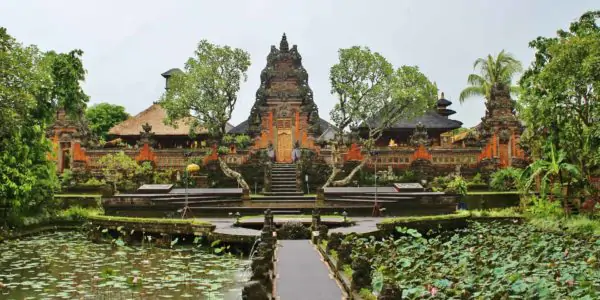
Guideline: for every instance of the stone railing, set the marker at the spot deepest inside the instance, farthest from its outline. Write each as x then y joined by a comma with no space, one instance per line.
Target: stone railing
262,264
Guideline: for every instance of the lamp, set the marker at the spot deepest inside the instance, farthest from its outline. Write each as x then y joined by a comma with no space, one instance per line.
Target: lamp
191,168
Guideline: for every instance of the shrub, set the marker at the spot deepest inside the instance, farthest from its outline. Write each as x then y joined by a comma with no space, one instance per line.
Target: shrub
505,179
457,186
542,207
293,231
477,179
243,141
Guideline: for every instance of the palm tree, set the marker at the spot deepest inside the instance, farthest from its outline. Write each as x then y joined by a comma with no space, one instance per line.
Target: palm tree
492,70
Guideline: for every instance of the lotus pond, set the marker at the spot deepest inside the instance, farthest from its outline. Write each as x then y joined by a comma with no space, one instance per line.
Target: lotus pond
485,261
66,265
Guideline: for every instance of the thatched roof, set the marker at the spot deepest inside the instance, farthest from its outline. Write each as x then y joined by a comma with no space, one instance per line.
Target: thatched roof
153,115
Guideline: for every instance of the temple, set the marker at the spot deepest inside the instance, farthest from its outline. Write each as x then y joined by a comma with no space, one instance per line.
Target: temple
284,115
284,112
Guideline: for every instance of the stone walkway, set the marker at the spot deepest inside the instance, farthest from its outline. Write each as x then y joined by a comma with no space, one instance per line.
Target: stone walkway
302,274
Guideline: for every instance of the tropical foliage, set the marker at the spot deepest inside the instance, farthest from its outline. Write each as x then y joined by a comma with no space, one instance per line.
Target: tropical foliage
498,70
372,96
485,261
507,179
207,92
552,170
33,86
103,116
560,101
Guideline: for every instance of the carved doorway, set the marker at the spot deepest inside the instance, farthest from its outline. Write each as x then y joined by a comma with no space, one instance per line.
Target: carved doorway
284,140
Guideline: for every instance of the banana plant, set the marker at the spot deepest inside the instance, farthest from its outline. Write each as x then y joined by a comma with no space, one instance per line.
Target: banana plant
554,167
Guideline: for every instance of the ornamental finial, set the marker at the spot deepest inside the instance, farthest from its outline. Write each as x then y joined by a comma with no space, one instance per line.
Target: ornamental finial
283,45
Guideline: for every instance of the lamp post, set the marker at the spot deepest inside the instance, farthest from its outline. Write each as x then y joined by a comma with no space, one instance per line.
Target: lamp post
191,168
375,212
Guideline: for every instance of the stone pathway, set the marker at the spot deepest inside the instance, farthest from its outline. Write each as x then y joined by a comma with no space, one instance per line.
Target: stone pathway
302,274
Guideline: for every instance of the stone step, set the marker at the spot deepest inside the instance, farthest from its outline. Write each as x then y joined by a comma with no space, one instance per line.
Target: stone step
283,190
284,184
284,197
283,173
283,176
383,197
294,193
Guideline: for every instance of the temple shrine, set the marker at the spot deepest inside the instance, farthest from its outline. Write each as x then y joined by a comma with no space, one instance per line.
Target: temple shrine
285,116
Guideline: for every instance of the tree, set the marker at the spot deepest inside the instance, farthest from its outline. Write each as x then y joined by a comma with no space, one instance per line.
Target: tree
492,70
119,169
33,85
207,92
103,116
560,102
372,96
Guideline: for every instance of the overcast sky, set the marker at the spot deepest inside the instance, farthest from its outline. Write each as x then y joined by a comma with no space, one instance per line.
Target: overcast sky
128,44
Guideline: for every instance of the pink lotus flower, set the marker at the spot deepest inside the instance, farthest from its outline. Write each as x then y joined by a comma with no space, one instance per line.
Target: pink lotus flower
566,252
570,282
433,291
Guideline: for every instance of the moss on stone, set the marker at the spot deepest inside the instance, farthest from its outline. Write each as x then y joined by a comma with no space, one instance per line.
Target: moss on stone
149,220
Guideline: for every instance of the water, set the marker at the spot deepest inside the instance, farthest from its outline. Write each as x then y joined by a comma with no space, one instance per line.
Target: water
65,265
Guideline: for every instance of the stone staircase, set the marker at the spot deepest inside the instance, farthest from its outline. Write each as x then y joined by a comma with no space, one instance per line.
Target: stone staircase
283,179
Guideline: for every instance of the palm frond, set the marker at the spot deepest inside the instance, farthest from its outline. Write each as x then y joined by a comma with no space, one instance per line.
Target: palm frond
471,91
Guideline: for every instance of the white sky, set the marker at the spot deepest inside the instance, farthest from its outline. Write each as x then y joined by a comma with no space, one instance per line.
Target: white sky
127,44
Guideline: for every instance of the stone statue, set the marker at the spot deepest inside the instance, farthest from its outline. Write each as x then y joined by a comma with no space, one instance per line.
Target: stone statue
297,152
271,152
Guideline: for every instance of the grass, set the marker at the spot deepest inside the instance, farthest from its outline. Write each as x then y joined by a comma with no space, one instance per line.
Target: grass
292,217
573,224
347,270
494,193
149,220
366,294
490,213
458,215
77,196
262,196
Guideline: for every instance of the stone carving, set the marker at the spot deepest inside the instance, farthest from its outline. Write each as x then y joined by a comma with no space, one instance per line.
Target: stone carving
504,135
283,110
146,136
420,136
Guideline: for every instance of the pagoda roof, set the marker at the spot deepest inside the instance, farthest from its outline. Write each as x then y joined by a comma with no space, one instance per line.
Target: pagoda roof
242,128
431,120
154,115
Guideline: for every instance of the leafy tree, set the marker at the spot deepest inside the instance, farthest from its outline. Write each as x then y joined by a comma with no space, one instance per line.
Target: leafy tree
492,70
373,96
33,85
207,92
119,169
560,102
103,116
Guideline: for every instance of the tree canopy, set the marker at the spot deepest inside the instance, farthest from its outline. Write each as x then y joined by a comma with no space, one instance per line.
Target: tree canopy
372,96
207,92
492,70
33,85
103,116
560,101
